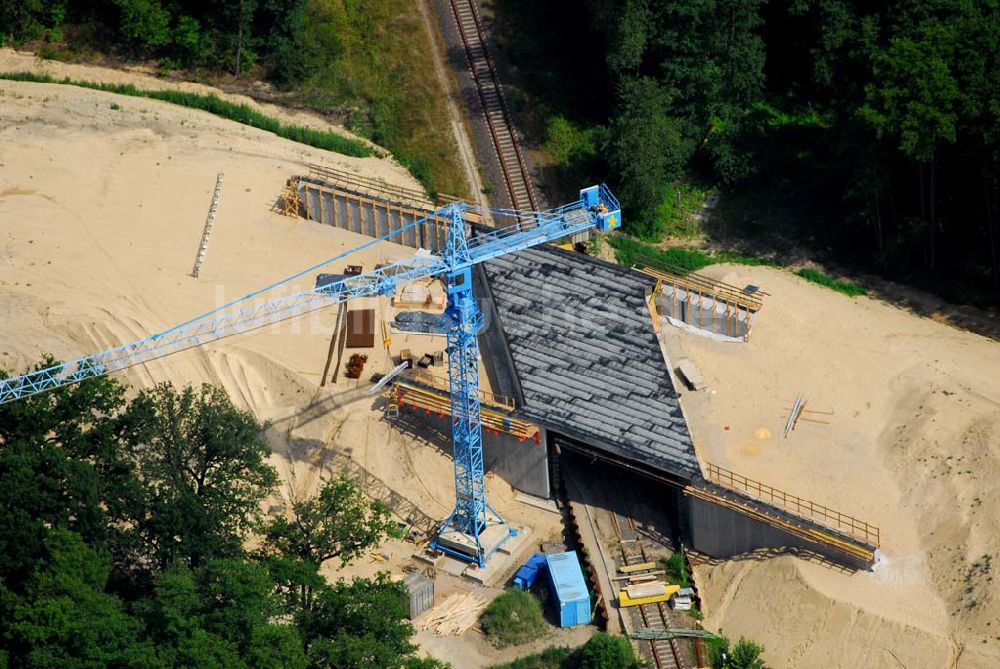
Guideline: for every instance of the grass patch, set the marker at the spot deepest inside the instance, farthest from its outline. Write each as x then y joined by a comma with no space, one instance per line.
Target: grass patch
675,215
213,104
676,569
846,287
630,251
514,618
372,62
602,651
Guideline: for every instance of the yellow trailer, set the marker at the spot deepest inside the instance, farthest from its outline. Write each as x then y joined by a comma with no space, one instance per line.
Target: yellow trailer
666,593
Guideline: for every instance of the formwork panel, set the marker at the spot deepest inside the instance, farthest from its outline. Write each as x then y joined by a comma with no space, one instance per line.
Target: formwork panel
705,312
421,591
312,203
353,214
368,227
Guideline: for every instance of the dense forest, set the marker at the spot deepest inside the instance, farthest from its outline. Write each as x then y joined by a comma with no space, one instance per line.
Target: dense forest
126,527
868,130
345,58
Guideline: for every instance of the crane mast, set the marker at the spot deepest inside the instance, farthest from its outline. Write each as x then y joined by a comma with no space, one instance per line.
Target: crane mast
460,534
471,513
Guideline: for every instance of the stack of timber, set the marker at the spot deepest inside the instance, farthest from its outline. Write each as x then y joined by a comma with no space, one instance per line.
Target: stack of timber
454,616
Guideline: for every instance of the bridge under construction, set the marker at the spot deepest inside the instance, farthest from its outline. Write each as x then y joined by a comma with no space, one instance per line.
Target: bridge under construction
576,366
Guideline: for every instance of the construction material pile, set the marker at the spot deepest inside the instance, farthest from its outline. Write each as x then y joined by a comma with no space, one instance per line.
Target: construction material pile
454,616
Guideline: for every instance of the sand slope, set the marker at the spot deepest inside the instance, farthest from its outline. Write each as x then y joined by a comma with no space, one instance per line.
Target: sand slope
913,445
101,213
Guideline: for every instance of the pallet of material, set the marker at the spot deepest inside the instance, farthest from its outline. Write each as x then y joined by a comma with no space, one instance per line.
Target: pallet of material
690,374
635,578
681,603
640,590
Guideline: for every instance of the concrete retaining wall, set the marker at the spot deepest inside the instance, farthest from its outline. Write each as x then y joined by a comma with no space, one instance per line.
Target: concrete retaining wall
704,312
372,217
721,532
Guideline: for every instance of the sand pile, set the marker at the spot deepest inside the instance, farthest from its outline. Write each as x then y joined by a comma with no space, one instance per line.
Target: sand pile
912,445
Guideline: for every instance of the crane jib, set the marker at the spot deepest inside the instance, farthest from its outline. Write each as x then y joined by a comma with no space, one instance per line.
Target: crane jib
461,533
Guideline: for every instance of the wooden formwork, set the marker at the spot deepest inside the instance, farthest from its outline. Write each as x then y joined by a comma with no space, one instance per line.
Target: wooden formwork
738,305
372,216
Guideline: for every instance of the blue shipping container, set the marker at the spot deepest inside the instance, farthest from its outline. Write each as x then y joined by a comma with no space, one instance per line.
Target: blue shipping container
570,589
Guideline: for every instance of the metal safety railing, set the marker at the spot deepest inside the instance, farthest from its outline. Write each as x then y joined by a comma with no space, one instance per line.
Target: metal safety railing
803,508
716,289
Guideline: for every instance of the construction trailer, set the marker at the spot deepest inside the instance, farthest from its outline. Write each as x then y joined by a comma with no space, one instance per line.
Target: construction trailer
569,588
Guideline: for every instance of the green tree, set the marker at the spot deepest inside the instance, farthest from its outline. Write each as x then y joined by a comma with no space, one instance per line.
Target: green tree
603,651
220,615
359,625
339,522
67,620
745,654
513,617
913,100
189,43
203,467
60,466
645,150
144,25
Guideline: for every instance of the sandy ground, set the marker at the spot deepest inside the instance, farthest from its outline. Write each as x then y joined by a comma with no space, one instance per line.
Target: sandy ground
913,445
101,213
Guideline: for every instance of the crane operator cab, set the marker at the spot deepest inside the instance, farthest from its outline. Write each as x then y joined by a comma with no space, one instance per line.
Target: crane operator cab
599,200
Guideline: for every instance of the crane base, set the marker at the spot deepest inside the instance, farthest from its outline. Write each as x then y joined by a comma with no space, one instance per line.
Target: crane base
462,546
500,565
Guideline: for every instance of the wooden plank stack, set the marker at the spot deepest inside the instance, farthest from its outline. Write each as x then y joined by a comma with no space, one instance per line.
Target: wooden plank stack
454,616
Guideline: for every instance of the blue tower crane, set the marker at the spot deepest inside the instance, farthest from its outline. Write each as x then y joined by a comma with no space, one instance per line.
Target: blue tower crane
597,208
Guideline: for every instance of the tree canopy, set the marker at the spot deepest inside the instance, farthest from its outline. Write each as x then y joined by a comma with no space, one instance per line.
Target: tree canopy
123,543
867,130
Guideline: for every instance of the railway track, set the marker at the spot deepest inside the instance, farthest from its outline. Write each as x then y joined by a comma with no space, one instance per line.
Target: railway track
666,653
494,106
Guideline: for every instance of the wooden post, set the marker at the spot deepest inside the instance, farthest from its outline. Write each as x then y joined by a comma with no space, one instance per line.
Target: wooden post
333,344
